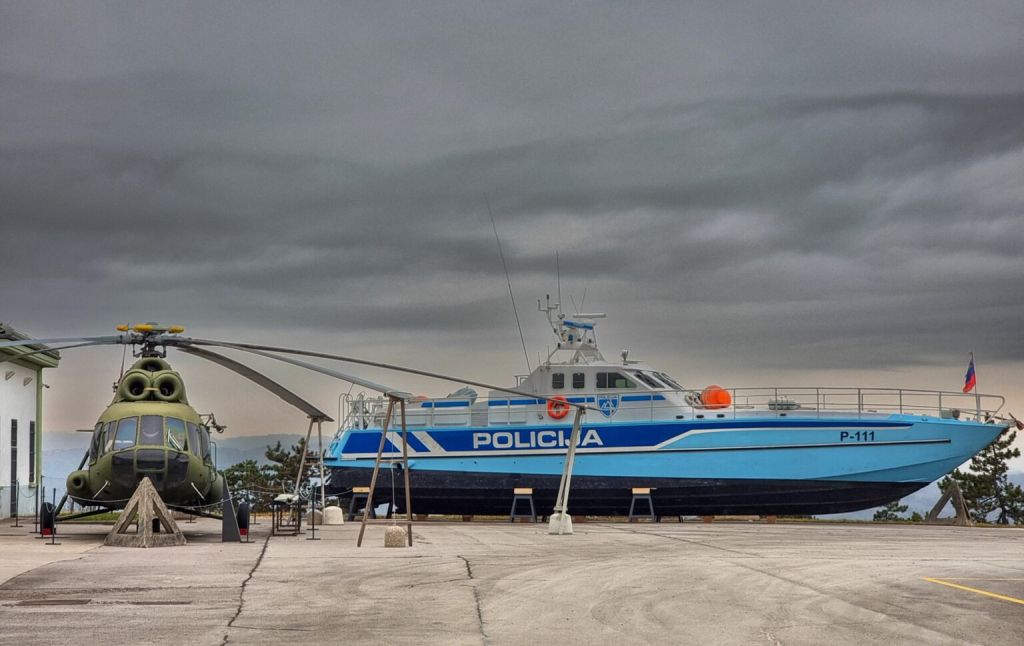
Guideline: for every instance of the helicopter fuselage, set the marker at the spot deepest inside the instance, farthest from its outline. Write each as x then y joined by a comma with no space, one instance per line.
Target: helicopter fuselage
140,436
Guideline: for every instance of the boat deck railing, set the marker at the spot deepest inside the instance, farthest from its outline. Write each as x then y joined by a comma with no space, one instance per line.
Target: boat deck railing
358,412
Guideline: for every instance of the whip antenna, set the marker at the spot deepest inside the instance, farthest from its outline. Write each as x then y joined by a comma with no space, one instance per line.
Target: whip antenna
508,280
558,280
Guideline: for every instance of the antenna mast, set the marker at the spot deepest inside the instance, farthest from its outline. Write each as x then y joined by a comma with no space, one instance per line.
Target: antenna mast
558,280
508,280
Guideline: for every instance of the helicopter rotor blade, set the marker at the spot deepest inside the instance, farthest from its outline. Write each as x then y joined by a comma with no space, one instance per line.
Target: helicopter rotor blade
374,364
266,382
359,381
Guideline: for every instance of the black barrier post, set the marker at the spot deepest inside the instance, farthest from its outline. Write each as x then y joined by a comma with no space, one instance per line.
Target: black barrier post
53,532
243,520
17,503
312,520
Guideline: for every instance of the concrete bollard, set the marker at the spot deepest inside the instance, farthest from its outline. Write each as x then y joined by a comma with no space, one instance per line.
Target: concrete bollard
394,536
334,515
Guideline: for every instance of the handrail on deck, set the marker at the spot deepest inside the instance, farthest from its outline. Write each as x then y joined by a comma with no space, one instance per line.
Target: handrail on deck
367,412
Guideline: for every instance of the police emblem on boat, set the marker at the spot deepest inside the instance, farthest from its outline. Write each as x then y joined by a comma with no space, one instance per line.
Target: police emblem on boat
608,404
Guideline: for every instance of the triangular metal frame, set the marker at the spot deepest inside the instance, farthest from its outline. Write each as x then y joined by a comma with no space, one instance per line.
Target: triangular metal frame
952,492
392,399
143,508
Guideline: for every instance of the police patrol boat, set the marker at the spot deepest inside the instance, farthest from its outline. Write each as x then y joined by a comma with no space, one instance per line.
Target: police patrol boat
705,451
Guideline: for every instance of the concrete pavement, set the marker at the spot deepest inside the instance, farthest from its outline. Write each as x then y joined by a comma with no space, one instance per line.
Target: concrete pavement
496,583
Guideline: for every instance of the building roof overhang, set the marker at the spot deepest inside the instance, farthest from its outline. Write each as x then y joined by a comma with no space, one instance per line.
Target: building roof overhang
48,359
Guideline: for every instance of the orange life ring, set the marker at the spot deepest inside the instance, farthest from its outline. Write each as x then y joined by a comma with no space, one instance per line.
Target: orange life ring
558,407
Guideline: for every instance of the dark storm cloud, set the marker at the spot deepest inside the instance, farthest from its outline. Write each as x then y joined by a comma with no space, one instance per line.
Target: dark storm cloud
842,180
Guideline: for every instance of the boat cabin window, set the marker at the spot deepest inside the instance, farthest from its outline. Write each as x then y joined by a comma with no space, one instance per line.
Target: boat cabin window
579,380
151,431
669,380
557,380
125,437
647,380
613,380
176,434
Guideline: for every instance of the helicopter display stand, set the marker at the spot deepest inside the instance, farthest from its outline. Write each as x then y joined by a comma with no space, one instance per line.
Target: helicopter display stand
145,509
963,514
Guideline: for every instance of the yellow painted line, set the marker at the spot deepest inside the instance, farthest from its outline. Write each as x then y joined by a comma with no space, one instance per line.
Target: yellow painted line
975,578
976,590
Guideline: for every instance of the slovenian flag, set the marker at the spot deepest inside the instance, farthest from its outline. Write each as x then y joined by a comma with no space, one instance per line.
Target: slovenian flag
970,380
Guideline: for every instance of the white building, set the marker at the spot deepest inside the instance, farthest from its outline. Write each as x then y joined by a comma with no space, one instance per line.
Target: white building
21,425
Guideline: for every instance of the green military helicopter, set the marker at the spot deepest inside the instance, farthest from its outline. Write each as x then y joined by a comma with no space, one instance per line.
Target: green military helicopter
150,430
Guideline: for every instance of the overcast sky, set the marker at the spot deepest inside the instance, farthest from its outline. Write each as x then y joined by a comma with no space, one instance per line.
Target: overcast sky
775,192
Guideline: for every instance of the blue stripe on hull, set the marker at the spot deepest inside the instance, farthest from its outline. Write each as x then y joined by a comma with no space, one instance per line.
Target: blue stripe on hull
902,449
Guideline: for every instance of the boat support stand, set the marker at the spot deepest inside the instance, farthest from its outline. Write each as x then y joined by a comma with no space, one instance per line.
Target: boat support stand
560,521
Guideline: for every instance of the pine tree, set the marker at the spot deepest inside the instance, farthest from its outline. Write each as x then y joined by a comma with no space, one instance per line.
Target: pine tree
891,511
986,488
250,482
284,465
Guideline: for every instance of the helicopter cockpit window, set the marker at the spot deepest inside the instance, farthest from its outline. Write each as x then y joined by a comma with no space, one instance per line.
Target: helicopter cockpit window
151,432
193,439
176,433
97,441
108,436
204,443
125,438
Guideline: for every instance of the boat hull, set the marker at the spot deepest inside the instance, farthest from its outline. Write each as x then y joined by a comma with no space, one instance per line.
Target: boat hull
460,493
782,465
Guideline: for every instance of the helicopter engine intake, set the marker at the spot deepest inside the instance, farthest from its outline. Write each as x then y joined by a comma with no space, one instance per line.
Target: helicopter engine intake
168,387
135,386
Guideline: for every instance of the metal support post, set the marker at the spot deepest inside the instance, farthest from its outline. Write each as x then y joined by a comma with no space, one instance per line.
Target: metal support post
302,458
312,521
561,522
35,516
405,470
323,484
376,469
